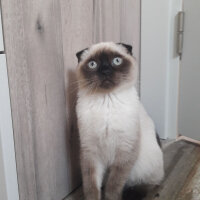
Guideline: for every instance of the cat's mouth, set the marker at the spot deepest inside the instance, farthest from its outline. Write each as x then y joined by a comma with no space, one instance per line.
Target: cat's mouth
107,84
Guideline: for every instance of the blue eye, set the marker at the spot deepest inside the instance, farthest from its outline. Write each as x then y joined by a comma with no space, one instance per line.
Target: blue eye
117,61
92,64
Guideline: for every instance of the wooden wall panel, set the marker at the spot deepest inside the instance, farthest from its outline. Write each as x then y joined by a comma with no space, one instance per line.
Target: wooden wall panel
77,32
42,27
118,21
107,20
20,93
34,48
130,25
41,39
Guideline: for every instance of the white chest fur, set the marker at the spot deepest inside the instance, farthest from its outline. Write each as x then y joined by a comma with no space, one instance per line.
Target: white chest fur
107,122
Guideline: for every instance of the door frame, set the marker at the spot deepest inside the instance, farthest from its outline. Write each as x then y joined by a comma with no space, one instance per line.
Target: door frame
158,54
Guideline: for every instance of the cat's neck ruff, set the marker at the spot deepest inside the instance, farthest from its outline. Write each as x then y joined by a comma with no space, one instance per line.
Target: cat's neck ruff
123,94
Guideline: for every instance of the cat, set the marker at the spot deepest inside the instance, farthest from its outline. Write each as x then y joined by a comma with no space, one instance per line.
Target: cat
117,137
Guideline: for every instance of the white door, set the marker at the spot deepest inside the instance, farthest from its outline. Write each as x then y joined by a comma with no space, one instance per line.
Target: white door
189,98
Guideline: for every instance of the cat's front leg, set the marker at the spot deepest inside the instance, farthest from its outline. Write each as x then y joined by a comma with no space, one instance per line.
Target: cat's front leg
92,174
117,178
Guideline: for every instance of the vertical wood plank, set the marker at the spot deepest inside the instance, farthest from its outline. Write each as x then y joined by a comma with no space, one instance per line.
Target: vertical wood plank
42,23
107,20
77,32
36,76
130,25
21,104
118,21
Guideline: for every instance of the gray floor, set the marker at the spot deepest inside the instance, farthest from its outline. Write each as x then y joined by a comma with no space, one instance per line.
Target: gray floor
182,174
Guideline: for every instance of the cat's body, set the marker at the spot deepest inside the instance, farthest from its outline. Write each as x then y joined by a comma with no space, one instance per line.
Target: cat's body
116,134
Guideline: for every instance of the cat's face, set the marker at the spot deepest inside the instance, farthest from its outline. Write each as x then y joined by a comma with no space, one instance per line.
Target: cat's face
105,66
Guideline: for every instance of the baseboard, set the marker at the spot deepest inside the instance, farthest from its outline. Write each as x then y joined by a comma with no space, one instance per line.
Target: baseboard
188,139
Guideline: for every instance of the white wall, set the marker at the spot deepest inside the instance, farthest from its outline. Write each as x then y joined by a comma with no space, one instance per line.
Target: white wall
8,174
3,191
160,64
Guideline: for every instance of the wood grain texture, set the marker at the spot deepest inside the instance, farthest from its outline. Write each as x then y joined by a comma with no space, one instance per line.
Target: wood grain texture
36,75
19,82
130,25
77,31
118,21
41,39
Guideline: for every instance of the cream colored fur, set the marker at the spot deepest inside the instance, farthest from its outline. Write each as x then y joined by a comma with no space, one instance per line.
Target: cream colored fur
109,122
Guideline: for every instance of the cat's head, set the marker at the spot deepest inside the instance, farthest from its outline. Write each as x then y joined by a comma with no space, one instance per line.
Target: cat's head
106,66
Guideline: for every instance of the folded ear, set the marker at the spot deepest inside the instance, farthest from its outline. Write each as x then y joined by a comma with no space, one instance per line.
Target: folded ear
79,54
128,48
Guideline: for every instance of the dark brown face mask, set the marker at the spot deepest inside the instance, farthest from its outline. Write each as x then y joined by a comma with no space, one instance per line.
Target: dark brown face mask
105,69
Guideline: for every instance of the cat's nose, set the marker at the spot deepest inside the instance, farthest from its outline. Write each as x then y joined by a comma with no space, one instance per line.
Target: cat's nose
106,71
